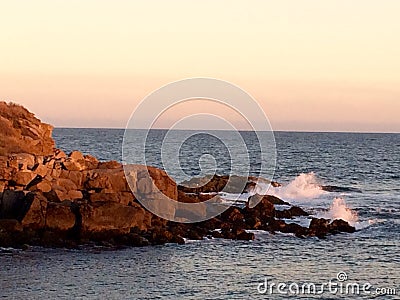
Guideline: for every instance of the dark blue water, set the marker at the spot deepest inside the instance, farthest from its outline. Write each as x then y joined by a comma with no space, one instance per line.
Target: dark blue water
220,269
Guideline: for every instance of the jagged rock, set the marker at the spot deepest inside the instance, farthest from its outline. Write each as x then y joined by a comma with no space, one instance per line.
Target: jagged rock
290,213
264,210
74,165
40,169
341,226
234,217
272,199
22,132
319,227
59,154
91,162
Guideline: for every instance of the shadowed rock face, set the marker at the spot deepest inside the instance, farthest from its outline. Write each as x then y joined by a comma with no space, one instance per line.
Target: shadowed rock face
49,198
22,132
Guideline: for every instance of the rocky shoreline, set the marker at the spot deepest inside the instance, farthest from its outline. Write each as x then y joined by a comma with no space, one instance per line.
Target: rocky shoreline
51,199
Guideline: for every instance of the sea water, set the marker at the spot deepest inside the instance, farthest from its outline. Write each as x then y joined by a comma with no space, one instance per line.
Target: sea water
364,167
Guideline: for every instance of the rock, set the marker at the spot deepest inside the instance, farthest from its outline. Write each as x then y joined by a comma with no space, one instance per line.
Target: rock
276,184
319,227
6,174
275,200
111,179
233,216
3,185
272,199
91,162
22,132
40,170
13,205
3,162
340,225
74,165
264,210
290,213
107,216
74,195
276,225
10,226
297,229
25,161
42,186
23,177
196,211
253,223
59,216
59,154
76,155
124,198
65,184
77,177
215,184
245,236
35,217
109,165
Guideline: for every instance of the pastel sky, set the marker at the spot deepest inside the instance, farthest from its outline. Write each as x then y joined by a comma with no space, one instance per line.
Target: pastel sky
312,65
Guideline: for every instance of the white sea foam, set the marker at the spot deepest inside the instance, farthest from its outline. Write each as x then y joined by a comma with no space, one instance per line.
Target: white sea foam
340,210
303,187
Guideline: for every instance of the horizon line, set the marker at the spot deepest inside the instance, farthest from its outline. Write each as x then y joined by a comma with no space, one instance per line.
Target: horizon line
241,130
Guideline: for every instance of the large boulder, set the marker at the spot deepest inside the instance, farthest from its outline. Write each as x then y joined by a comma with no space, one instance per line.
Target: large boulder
60,216
35,217
111,216
154,189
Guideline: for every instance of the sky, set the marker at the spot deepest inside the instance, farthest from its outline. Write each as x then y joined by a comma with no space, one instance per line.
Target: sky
311,65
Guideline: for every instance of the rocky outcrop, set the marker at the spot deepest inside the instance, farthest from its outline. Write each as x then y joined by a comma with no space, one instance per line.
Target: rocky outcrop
50,198
22,132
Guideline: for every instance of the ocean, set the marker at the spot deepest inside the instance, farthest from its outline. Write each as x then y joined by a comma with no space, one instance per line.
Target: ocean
363,168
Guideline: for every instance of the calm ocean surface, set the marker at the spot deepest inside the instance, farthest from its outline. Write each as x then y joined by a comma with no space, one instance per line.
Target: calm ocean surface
369,164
